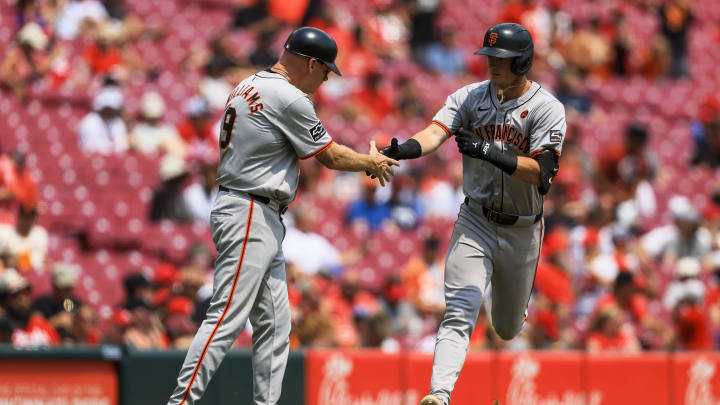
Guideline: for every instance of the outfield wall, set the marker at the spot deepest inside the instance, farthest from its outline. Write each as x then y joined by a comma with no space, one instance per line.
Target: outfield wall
108,376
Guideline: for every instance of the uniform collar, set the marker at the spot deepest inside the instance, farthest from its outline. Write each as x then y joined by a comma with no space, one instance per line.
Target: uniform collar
534,86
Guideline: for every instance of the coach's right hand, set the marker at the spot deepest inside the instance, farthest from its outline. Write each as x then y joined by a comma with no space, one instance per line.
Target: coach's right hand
381,165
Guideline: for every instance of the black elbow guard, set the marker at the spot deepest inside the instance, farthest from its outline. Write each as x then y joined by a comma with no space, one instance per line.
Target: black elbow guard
549,165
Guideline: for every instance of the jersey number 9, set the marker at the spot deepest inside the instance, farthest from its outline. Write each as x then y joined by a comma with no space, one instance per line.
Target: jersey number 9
227,127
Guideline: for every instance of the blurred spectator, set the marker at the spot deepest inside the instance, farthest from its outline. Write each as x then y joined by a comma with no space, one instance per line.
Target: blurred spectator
167,200
300,239
19,181
657,62
110,53
115,332
103,130
85,327
676,17
570,92
388,29
441,188
264,56
406,209
587,50
178,322
7,198
26,61
213,87
151,134
685,237
685,298
253,14
423,276
626,168
609,333
198,127
137,289
423,25
622,42
371,101
61,306
28,329
367,210
445,56
145,331
409,101
25,245
77,16
33,11
706,135
200,195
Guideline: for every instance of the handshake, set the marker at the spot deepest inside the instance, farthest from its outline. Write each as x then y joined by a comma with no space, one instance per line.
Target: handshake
395,151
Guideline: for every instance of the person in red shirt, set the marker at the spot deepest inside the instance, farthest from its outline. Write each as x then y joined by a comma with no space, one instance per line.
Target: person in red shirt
609,333
372,101
28,329
21,182
198,126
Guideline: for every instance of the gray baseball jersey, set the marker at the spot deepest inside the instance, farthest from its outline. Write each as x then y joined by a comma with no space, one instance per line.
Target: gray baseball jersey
268,125
483,252
524,126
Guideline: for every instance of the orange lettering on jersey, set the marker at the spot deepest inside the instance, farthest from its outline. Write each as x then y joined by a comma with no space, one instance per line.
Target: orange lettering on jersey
245,93
252,99
256,108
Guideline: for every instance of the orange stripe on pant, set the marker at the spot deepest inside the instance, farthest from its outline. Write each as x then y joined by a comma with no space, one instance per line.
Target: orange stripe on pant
232,292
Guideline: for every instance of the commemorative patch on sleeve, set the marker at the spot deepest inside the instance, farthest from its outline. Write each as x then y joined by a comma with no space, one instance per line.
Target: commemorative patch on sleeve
317,131
555,136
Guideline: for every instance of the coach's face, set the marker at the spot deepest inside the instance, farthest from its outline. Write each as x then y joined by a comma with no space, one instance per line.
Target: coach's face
317,73
500,74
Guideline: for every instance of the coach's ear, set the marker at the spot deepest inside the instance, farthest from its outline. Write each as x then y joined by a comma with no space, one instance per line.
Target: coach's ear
549,164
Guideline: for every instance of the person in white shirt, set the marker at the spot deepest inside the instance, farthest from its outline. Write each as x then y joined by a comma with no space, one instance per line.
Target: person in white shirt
200,196
25,245
75,14
151,134
104,130
300,241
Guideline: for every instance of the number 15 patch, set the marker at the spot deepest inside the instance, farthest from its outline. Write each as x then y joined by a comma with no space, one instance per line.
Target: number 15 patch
555,135
317,131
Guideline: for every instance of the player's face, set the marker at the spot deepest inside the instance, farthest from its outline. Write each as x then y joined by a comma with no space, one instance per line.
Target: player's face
500,74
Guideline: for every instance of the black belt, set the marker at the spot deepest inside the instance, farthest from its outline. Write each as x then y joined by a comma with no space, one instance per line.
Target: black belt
259,198
502,218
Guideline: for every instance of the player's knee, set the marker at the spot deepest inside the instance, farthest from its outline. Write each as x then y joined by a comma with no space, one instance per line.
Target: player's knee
507,330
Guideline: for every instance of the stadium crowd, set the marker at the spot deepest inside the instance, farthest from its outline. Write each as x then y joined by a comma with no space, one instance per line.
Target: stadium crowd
622,267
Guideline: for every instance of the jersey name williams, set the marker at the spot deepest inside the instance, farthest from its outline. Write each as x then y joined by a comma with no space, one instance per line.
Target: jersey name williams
249,94
506,133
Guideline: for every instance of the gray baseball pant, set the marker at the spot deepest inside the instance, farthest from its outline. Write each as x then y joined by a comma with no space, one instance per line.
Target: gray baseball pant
249,282
480,253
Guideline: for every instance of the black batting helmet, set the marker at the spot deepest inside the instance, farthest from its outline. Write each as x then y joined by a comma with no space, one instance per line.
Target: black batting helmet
509,40
314,43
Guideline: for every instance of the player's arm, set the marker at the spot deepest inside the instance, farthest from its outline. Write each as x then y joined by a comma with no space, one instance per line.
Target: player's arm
421,144
538,170
340,157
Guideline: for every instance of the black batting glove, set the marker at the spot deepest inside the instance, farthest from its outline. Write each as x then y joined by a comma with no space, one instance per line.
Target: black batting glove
407,150
470,144
475,147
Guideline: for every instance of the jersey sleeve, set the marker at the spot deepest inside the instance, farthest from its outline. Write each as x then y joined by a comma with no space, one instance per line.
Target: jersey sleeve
452,115
548,131
303,128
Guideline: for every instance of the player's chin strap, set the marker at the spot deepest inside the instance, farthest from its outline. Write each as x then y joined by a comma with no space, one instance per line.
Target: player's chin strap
501,92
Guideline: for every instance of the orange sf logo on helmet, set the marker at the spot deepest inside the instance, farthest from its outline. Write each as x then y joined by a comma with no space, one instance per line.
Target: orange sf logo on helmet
493,38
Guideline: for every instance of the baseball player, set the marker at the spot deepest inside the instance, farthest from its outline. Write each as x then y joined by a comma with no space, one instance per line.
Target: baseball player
269,124
510,133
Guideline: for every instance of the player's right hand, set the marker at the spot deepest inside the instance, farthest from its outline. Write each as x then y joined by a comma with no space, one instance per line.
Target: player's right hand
392,150
381,165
